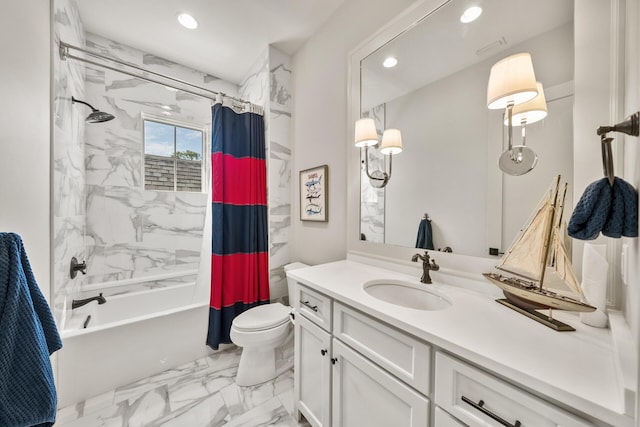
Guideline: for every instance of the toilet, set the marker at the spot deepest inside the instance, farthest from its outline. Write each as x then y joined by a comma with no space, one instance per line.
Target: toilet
260,331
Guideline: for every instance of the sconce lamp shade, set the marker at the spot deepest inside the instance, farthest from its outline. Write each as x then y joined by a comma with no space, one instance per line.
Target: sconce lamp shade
391,142
530,111
511,81
366,133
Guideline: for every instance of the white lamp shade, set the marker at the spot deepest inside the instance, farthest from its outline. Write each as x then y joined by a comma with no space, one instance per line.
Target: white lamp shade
511,81
530,111
366,133
391,142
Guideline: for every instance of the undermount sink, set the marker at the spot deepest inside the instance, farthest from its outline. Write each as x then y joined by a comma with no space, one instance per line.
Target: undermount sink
405,294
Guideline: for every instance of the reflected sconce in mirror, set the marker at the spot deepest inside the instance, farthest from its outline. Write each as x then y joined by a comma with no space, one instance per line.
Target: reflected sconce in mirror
525,114
366,136
512,82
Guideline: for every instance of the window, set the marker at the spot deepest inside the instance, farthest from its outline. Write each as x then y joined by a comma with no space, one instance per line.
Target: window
172,157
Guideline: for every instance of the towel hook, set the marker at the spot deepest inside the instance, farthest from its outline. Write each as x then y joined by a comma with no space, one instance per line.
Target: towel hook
607,158
630,126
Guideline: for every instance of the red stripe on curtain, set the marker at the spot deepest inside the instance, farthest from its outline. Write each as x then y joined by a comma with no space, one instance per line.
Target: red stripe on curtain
238,274
241,181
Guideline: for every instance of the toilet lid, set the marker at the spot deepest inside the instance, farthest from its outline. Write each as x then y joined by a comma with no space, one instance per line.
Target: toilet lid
262,317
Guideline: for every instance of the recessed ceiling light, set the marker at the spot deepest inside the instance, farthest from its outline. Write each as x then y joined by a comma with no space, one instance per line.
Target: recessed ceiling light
187,21
471,14
166,107
390,62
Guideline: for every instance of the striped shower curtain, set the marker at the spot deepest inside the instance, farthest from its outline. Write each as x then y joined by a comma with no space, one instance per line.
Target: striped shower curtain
239,260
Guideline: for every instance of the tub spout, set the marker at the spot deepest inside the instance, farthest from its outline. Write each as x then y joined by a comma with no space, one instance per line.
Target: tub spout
80,302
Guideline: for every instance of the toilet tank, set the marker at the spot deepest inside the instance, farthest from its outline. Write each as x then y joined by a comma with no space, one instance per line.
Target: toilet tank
291,283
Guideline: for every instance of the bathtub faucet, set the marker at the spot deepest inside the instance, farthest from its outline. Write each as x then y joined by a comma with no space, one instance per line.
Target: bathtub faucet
80,302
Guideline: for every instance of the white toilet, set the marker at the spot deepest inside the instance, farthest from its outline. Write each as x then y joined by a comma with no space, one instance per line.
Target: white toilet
259,331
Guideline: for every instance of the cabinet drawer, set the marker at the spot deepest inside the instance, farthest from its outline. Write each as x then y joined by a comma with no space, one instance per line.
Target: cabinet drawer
479,399
314,306
442,419
402,355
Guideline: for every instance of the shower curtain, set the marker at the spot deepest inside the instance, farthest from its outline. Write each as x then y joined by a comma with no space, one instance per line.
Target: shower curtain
239,260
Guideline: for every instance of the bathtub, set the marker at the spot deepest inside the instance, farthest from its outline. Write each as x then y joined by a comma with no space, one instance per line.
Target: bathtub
132,336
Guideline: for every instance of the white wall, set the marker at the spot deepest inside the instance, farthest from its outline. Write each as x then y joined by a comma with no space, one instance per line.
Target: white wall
320,120
24,129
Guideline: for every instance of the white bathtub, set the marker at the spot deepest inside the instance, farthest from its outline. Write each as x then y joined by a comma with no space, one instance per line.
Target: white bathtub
131,337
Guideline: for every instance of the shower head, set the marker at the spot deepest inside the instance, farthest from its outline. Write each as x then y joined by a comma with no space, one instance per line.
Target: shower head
96,116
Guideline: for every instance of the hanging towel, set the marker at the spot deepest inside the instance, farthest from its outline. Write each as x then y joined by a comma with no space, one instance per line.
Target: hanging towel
603,208
591,212
28,336
425,239
623,219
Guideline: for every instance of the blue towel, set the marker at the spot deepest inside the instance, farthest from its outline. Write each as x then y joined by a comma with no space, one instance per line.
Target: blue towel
623,219
603,208
424,239
28,336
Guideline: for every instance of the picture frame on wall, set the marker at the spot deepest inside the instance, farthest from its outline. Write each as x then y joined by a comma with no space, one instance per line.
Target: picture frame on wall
314,194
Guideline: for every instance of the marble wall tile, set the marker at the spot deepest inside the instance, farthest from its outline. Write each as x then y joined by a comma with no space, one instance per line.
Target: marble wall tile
68,175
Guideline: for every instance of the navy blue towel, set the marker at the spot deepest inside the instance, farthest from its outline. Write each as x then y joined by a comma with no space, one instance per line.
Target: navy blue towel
425,235
603,208
28,336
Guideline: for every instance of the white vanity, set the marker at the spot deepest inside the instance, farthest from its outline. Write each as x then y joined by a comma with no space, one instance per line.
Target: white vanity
362,361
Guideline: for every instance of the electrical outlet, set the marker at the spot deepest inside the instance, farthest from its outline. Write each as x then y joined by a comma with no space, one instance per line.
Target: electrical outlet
624,270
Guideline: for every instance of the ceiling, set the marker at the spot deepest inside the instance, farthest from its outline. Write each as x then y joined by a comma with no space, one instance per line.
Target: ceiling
231,36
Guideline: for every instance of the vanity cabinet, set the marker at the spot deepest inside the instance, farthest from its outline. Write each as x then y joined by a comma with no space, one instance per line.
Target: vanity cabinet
360,372
354,370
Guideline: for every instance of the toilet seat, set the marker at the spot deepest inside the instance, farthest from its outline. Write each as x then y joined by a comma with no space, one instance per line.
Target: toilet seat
262,317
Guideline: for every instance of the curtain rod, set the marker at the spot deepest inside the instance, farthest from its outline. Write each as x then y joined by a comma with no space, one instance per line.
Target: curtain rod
64,55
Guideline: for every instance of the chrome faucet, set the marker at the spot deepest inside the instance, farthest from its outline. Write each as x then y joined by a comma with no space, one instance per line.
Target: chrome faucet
426,266
80,302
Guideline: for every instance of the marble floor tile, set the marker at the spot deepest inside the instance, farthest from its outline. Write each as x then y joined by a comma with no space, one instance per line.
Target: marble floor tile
199,393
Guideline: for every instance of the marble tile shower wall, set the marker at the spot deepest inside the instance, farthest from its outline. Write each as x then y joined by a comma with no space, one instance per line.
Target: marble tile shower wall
68,180
133,232
268,83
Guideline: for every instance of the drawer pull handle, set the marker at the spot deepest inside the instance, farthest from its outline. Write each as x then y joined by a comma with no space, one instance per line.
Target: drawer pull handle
480,407
307,304
334,360
323,352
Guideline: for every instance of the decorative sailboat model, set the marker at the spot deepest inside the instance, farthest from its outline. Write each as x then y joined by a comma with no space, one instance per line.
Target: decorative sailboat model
535,257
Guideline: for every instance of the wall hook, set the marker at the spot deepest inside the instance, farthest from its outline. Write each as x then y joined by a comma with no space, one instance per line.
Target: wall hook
629,126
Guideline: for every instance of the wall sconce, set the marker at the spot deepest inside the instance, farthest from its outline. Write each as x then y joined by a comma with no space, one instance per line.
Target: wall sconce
366,136
524,114
512,82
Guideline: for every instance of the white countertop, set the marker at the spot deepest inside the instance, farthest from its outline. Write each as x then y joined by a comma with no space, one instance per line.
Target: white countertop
577,369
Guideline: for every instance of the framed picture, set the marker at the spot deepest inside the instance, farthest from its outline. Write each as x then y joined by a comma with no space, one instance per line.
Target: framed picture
313,194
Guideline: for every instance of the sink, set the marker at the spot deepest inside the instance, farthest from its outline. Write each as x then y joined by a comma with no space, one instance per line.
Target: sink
406,294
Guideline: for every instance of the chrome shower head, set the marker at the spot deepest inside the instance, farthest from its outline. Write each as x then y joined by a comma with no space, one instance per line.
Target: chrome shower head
96,116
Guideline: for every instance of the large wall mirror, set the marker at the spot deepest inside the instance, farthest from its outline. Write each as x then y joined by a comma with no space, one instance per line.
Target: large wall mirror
436,96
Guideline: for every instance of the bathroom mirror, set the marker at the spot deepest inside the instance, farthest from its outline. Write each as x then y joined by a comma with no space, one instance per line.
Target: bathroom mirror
491,206
436,96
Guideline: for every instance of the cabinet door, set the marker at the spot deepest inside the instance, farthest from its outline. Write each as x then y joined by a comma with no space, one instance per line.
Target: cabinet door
366,395
312,372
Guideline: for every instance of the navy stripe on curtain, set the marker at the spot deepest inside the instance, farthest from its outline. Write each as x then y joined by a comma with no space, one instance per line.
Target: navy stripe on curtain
239,247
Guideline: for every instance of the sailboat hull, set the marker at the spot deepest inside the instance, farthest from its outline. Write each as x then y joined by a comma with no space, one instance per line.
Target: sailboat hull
536,297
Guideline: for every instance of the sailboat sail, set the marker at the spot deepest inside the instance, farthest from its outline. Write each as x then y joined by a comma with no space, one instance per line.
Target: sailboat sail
527,255
562,267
